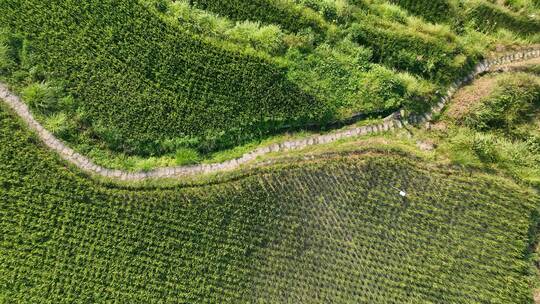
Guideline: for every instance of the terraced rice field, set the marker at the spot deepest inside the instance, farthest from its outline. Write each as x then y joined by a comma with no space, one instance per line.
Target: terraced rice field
331,231
149,151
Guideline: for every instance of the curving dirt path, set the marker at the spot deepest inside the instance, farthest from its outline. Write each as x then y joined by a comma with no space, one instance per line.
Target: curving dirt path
390,123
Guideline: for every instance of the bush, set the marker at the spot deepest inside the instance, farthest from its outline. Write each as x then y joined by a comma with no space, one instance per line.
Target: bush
57,124
382,89
41,97
269,39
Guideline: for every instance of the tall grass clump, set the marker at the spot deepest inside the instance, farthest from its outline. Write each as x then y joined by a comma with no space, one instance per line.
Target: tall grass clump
41,97
516,101
287,14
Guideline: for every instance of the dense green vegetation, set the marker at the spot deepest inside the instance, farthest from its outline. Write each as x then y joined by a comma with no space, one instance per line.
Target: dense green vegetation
289,16
334,231
139,83
515,15
490,17
433,11
159,77
435,56
515,103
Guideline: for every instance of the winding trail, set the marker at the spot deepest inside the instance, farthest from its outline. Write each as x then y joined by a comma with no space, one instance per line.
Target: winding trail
390,123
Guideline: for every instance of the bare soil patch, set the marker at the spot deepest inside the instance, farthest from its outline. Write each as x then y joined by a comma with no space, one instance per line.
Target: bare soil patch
470,95
473,93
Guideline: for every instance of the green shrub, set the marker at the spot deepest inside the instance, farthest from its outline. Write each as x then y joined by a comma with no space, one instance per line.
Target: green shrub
269,39
243,31
68,103
382,89
57,123
41,97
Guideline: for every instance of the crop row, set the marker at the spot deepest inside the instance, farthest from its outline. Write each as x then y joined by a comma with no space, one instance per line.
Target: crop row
429,57
289,16
490,18
327,232
433,11
329,224
147,81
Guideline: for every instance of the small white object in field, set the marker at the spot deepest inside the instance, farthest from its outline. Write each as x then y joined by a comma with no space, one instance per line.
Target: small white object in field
401,192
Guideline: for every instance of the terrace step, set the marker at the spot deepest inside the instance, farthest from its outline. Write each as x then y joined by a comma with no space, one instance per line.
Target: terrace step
390,123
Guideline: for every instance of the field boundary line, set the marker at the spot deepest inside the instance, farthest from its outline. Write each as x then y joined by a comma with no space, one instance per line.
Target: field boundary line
391,122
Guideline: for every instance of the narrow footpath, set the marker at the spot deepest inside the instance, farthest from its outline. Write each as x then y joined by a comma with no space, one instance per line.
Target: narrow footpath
390,123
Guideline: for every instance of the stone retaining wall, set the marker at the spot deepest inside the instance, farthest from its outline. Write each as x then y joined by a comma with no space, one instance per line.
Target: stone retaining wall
390,123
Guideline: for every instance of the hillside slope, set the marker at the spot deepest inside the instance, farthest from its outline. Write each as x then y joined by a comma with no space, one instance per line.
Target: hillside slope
158,77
